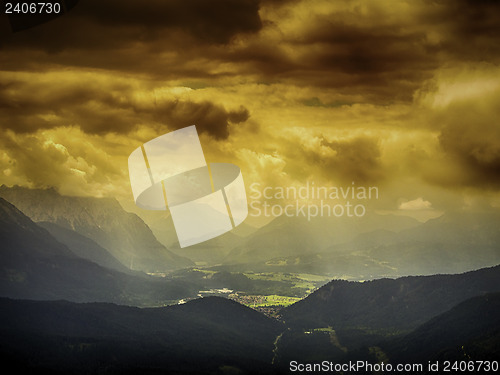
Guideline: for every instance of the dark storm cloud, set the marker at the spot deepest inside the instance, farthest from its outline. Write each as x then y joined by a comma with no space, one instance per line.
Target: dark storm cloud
215,21
96,24
470,138
355,55
468,29
345,160
384,60
27,105
208,117
100,107
368,58
373,56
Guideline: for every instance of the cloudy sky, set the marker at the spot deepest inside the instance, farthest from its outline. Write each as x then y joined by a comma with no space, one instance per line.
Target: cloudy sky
402,95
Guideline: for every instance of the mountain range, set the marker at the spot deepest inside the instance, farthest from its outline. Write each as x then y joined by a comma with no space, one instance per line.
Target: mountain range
34,265
84,247
291,236
366,248
103,220
389,304
66,299
410,320
467,334
453,243
216,335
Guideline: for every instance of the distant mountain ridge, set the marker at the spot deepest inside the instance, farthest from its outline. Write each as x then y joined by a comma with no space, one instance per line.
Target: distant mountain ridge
453,243
104,221
34,265
292,236
83,246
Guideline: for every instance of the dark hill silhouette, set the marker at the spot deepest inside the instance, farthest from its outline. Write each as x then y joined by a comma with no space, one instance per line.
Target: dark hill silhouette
201,336
462,332
402,303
